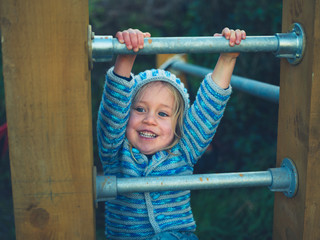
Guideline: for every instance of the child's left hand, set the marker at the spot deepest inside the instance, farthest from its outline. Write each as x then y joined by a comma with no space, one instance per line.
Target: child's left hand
234,37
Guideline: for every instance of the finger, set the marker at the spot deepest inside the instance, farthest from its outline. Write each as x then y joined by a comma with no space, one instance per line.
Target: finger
226,33
238,36
232,38
243,34
140,39
147,34
119,36
217,35
134,39
127,39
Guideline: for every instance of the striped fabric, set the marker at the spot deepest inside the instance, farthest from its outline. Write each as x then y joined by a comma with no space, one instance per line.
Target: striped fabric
141,215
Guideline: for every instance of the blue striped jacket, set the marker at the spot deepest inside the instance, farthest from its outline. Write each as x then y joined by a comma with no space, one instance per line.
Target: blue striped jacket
142,215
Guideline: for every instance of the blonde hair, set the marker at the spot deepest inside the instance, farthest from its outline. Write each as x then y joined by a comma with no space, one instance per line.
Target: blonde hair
178,110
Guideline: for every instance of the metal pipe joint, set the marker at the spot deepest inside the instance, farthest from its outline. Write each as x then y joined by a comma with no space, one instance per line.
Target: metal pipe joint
291,44
285,178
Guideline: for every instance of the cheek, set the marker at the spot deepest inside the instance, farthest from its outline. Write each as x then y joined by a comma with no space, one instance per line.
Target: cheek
169,129
130,126
133,119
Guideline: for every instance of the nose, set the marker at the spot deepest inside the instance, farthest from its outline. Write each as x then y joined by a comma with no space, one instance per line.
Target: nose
149,118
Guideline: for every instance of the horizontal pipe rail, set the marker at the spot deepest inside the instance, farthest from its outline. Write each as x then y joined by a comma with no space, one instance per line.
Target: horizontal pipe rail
255,88
286,45
194,182
283,179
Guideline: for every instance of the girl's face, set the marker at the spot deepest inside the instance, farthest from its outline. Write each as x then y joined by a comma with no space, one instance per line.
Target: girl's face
151,123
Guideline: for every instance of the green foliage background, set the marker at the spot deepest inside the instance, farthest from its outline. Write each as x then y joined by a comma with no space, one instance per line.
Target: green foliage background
246,138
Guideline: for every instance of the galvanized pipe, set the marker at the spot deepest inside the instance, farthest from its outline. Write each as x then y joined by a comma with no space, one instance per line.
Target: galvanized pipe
283,179
194,182
288,45
255,88
107,45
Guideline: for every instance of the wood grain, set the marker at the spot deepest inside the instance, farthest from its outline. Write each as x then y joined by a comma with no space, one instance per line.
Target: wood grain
299,128
48,104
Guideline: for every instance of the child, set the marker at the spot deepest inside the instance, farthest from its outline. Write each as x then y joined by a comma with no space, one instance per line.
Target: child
147,128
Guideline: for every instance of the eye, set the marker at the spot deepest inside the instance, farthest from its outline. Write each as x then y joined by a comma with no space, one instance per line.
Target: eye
163,114
139,109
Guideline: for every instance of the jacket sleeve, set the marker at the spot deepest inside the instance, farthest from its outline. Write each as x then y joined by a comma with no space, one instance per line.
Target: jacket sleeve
113,116
203,118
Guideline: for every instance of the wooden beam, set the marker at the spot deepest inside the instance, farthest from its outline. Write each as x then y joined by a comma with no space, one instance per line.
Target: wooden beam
48,104
299,128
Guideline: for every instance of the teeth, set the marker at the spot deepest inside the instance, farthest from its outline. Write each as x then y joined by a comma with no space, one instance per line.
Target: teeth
147,134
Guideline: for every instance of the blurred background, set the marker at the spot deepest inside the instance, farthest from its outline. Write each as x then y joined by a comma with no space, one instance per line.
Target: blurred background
247,136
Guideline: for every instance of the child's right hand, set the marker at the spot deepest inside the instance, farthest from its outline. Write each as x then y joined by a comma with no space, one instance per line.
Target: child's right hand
133,38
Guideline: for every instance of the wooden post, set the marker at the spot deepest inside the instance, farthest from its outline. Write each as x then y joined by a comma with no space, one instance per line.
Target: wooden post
48,103
299,128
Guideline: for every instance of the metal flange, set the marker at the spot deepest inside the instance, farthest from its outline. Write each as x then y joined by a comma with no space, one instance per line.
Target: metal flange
285,178
293,187
292,44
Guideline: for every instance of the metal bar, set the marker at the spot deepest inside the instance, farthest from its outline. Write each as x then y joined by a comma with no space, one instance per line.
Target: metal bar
255,88
194,182
283,179
187,45
289,45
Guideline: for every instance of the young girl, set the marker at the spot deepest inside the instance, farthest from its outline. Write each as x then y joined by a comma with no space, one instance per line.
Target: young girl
147,128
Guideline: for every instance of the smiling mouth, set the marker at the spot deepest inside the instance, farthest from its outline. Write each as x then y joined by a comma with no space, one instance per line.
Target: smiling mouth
147,134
